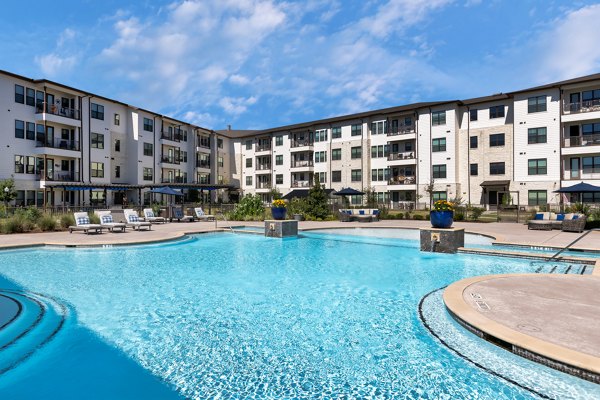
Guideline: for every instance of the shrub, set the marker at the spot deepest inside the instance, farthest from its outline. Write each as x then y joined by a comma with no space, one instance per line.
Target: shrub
66,220
47,223
248,208
474,212
16,224
459,216
399,216
592,224
94,219
418,217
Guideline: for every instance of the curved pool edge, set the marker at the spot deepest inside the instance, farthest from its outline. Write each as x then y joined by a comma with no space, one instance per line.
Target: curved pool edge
412,228
567,360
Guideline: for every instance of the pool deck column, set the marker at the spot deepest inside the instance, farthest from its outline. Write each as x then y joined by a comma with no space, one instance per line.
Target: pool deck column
281,228
436,240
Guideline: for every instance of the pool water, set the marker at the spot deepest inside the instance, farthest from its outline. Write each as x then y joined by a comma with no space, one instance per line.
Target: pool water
243,316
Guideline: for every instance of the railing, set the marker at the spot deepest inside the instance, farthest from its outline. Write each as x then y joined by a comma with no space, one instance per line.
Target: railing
300,184
59,176
585,140
402,130
202,164
263,167
204,145
176,137
581,176
582,106
409,180
302,143
170,160
54,109
263,147
400,156
304,163
177,179
263,185
402,205
58,144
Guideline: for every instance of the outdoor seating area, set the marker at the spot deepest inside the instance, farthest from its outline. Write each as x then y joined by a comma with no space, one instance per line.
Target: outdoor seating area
547,221
360,215
202,216
82,223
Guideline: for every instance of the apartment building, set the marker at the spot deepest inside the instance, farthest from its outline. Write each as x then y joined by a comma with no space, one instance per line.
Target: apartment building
67,146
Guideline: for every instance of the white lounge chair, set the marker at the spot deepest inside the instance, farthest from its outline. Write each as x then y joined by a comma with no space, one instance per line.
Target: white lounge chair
82,223
149,216
134,222
202,216
107,221
178,215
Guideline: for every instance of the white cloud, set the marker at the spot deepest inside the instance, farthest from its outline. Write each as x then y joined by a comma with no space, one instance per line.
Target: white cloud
236,105
238,79
53,64
65,37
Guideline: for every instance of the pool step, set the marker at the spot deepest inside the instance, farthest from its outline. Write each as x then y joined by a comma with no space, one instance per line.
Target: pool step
562,268
39,320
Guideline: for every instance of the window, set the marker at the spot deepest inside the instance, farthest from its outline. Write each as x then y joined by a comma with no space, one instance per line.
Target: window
183,156
30,166
435,196
279,140
19,94
30,134
380,174
336,154
336,176
322,177
439,171
536,104
378,128
356,175
497,168
474,169
590,164
590,129
379,151
356,130
590,197
279,179
148,149
438,145
248,144
537,167
220,162
590,96
148,174
321,135
117,145
97,140
497,139
203,178
220,179
473,142
219,143
537,197
438,118
279,160
536,135
473,115
117,171
496,112
19,164
117,120
248,181
40,133
97,170
248,163
148,125
336,132
356,152
30,98
97,111
19,129
320,156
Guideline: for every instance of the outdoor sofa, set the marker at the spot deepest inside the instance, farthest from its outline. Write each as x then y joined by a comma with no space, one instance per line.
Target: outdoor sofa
82,223
547,221
359,214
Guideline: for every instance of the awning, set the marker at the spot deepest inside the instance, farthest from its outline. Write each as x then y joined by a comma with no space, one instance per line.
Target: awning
301,193
495,183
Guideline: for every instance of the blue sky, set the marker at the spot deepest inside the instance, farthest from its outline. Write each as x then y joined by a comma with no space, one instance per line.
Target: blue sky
261,64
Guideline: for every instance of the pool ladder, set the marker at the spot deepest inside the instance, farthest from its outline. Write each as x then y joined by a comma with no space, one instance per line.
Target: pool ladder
584,234
224,219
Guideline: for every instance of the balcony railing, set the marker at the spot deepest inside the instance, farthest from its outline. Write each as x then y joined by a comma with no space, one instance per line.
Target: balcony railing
302,143
202,164
59,176
303,163
170,160
175,137
401,156
585,140
177,179
263,147
54,109
300,184
582,106
263,167
402,180
263,185
58,143
401,130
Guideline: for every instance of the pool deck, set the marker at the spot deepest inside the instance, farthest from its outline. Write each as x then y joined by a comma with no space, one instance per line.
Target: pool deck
551,317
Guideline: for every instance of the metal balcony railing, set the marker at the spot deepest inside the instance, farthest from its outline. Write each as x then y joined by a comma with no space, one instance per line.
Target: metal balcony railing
56,109
177,179
263,167
263,147
585,140
263,185
303,163
57,143
399,180
300,184
401,130
202,164
175,137
582,106
302,143
401,156
170,160
58,176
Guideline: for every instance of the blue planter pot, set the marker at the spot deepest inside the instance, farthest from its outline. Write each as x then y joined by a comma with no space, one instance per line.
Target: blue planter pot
278,213
441,219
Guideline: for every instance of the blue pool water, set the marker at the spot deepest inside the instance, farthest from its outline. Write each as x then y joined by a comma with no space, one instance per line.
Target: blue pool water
243,316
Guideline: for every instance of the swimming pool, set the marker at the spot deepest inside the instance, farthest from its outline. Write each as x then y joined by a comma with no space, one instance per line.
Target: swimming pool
243,316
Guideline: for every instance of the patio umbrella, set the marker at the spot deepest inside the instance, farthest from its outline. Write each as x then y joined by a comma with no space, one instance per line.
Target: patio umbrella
580,188
168,191
348,192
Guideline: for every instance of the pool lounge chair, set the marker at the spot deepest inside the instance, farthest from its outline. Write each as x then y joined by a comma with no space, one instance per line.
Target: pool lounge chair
134,222
178,215
107,221
149,216
202,216
82,223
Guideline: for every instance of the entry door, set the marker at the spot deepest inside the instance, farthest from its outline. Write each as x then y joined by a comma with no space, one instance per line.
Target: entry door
493,197
49,168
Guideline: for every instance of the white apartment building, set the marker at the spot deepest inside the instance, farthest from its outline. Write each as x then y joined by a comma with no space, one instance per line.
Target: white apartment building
67,146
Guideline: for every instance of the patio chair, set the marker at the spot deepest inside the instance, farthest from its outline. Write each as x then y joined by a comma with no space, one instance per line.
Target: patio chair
345,215
179,216
133,221
203,216
149,216
575,224
107,221
82,223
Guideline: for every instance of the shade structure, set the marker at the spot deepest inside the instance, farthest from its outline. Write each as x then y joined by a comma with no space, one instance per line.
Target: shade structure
579,188
301,193
349,192
166,190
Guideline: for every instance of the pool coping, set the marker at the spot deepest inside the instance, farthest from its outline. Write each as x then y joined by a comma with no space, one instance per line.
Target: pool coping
566,360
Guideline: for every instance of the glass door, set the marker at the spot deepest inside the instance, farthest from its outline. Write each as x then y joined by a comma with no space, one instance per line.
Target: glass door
575,168
50,169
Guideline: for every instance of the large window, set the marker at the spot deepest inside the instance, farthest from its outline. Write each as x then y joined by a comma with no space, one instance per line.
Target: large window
496,112
537,197
536,135
322,177
279,140
30,97
248,144
497,168
97,111
435,196
379,151
148,125
320,156
148,174
336,132
19,94
380,174
97,170
248,163
378,128
590,129
497,139
279,159
19,129
438,118
473,115
439,171
356,175
97,140
30,166
473,142
474,169
30,133
148,149
536,104
321,135
590,164
355,152
356,130
248,181
438,145
336,154
19,164
336,176
537,167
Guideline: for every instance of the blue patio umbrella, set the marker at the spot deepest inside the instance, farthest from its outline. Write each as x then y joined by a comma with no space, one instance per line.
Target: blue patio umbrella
580,188
348,192
166,190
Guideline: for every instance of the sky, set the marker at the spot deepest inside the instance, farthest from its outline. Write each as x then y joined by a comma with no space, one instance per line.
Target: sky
256,64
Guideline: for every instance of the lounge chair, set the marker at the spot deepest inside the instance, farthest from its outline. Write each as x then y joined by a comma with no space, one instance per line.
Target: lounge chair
107,221
82,223
178,215
574,223
345,215
202,216
134,222
149,216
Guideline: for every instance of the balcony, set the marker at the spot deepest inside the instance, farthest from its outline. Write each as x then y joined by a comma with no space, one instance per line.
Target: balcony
59,176
302,143
401,156
263,167
52,109
263,147
177,179
172,136
402,130
302,164
170,160
202,164
402,180
301,184
585,140
58,143
263,185
581,106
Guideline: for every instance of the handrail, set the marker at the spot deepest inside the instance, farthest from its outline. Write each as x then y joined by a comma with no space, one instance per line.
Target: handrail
224,219
572,243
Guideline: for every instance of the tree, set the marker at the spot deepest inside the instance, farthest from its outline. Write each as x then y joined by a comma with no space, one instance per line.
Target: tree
429,189
371,197
316,202
275,193
11,193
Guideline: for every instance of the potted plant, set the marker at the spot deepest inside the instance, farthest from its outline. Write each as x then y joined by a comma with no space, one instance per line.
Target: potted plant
278,209
442,215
